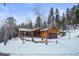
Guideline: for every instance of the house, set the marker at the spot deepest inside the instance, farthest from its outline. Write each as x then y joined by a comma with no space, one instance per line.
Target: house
24,32
42,33
29,32
49,33
36,32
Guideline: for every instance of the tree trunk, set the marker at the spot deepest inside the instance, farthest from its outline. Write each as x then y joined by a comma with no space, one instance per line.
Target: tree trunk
5,38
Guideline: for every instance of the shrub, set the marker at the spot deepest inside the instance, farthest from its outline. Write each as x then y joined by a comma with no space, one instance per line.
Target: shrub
63,33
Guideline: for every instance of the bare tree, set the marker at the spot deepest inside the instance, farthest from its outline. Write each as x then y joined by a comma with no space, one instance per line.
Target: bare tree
37,10
7,28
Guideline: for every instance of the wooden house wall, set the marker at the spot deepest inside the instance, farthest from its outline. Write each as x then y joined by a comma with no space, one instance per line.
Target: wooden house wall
36,33
32,34
23,33
43,34
53,30
50,33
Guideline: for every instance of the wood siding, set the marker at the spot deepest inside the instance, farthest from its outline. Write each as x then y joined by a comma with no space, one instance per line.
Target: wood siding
43,34
49,33
53,30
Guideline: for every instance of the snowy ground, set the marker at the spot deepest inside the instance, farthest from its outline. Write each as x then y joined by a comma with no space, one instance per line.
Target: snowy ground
65,46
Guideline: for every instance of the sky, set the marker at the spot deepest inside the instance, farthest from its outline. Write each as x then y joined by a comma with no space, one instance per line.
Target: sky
24,12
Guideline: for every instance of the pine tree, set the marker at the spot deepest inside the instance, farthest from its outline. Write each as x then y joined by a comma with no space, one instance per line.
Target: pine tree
57,18
45,24
73,9
30,26
26,25
38,22
68,16
22,25
78,5
64,22
77,16
51,21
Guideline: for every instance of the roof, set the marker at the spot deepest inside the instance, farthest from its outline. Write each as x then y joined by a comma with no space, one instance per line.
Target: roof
45,29
35,29
29,30
25,29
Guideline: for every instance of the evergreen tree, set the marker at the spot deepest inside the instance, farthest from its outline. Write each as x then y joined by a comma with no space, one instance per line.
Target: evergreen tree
73,9
64,22
26,25
22,25
57,18
38,23
77,16
78,5
51,20
45,24
30,26
68,16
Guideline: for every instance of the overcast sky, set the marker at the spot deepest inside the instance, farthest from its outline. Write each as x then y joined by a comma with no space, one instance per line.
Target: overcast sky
23,12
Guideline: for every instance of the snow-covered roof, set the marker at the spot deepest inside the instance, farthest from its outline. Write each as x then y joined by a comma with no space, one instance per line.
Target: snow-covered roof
25,29
35,29
45,29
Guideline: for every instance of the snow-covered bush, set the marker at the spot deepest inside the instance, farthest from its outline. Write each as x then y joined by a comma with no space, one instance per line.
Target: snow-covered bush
62,33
